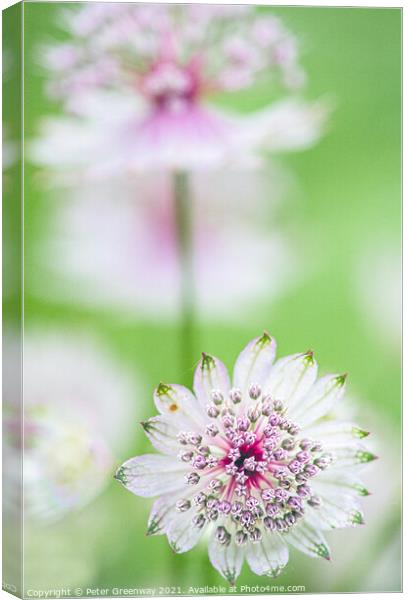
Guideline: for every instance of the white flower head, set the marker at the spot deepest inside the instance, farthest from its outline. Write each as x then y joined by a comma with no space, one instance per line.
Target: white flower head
138,80
72,434
260,464
116,245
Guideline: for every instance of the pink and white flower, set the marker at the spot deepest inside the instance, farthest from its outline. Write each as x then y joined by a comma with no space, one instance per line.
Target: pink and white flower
115,244
136,80
70,434
259,464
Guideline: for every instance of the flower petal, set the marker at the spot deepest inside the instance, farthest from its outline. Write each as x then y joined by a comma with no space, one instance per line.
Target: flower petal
182,535
177,403
320,400
269,556
336,511
332,480
210,374
287,125
308,539
162,433
351,455
254,363
160,514
334,433
227,559
292,377
152,475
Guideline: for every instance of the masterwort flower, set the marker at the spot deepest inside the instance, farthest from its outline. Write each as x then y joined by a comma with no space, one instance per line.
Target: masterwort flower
110,250
136,80
257,465
71,437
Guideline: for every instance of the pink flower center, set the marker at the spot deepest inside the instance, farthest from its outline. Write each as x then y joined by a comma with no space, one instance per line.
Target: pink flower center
250,466
248,451
246,460
171,86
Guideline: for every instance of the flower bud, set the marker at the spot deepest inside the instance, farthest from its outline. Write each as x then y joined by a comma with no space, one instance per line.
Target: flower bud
254,391
192,478
235,395
217,397
182,505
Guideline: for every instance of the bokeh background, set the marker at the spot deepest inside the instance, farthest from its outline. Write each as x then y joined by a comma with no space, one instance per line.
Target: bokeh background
343,208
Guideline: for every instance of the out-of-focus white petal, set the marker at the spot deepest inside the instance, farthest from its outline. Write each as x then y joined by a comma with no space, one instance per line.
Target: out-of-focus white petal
162,432
210,374
127,139
308,539
79,141
152,475
320,399
288,125
66,144
227,559
269,556
254,363
292,377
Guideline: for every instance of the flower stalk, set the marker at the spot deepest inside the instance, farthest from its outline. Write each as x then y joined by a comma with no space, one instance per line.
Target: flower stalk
183,210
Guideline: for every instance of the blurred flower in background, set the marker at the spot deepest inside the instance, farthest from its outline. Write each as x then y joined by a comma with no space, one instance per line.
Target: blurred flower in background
257,464
78,413
133,83
378,287
136,79
115,244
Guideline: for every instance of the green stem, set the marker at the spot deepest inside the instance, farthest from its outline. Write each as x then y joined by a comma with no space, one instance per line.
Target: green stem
184,218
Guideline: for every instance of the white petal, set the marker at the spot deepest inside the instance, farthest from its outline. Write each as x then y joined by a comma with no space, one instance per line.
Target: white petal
333,481
178,404
210,374
161,514
336,511
182,535
320,400
162,433
334,433
306,538
351,455
292,377
269,556
227,559
64,142
152,475
254,363
287,125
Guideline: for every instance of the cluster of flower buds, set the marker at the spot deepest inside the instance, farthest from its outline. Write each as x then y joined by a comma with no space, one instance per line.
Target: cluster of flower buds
253,469
171,54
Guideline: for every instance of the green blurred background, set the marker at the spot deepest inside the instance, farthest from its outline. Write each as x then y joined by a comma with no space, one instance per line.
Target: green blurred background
345,205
